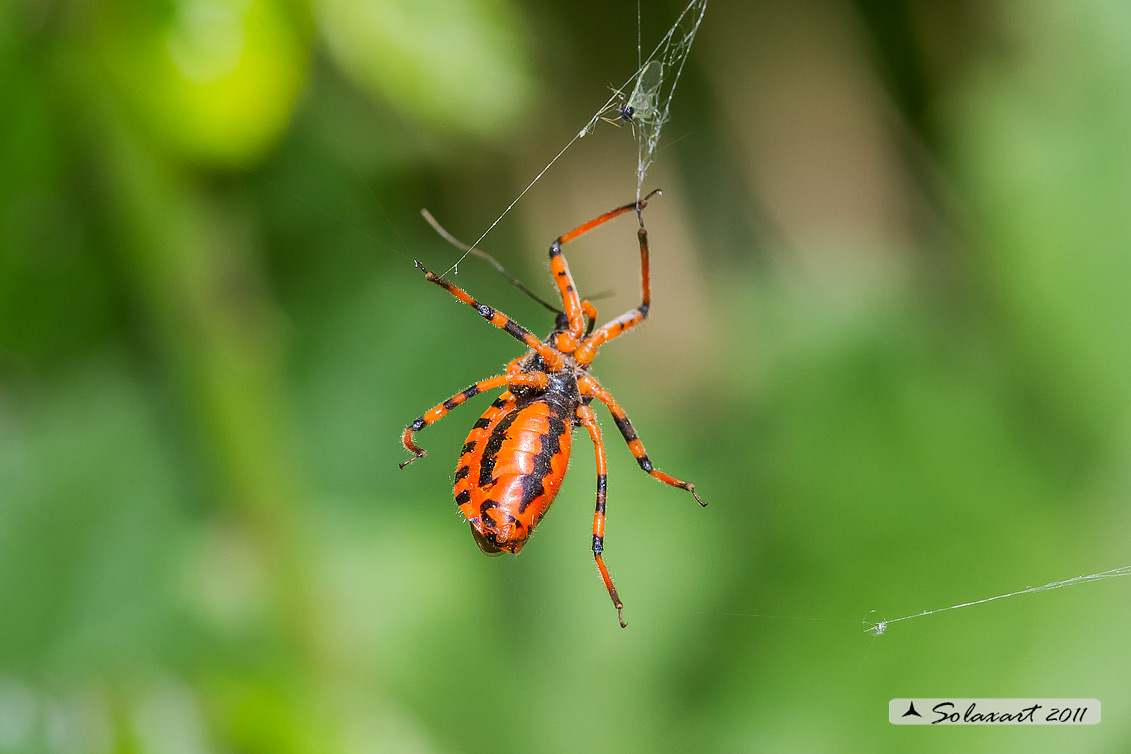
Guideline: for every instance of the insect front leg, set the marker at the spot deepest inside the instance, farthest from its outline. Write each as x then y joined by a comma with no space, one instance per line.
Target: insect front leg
438,412
633,317
570,300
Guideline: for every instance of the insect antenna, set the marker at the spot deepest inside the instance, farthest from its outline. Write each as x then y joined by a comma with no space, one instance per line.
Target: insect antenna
494,262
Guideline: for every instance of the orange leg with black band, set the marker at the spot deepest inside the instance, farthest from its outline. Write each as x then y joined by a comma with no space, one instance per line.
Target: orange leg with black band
633,317
625,322
552,359
591,388
438,412
562,276
588,419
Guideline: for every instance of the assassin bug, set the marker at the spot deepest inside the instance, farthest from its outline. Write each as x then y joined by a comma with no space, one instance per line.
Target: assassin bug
516,455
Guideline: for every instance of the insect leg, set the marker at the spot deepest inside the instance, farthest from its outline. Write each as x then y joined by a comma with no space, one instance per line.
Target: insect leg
438,412
590,312
550,357
588,419
630,319
590,387
570,301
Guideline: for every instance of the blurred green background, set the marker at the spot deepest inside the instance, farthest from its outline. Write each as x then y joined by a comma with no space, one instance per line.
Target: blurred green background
888,342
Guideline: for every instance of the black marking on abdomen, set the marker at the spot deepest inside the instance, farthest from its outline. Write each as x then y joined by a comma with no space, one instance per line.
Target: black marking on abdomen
487,505
532,486
491,449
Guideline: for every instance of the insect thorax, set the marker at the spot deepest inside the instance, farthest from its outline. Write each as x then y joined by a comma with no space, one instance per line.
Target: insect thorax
562,388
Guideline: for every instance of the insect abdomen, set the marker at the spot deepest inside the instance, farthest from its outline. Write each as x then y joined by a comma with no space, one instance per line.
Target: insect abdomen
511,467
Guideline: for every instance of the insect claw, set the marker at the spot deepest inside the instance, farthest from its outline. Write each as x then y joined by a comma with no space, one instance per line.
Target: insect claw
698,499
642,203
429,276
620,616
421,454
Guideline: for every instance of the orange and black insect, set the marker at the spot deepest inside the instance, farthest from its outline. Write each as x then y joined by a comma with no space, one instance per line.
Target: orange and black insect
515,458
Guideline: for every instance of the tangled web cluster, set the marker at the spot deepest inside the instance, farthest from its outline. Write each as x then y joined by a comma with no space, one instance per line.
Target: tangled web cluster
645,108
651,88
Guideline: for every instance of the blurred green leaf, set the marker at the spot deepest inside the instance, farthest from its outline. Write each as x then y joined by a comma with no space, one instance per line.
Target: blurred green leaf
458,64
213,81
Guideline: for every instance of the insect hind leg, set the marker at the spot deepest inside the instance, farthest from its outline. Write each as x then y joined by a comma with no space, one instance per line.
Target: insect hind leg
590,387
588,419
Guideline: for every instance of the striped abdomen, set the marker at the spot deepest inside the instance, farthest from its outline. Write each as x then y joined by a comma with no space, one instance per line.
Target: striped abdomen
510,470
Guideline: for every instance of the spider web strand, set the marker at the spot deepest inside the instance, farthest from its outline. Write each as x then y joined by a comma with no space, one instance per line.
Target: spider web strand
878,628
